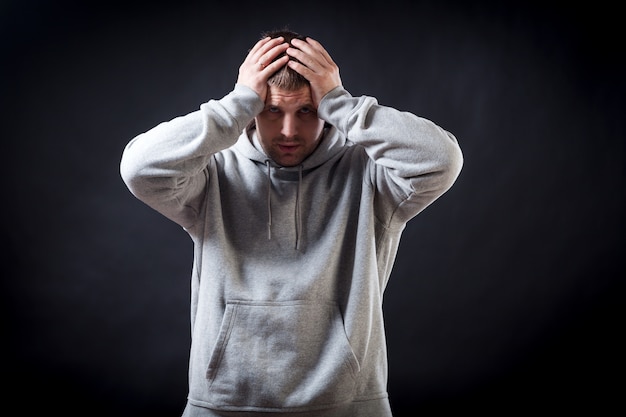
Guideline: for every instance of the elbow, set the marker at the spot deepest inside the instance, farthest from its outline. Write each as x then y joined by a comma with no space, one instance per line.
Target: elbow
132,174
455,164
450,167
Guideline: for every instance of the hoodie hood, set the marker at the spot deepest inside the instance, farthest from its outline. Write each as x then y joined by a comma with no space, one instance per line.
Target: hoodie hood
248,145
331,144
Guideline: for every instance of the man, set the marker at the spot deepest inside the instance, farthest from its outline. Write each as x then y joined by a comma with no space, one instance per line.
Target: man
295,195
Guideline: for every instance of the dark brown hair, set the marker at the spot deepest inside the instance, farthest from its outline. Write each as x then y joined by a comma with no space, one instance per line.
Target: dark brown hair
286,78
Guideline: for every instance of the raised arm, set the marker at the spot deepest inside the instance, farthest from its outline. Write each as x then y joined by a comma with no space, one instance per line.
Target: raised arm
414,160
165,167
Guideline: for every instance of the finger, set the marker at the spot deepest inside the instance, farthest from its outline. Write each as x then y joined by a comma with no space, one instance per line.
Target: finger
314,54
304,58
268,48
301,69
304,47
320,49
310,46
258,46
257,49
275,65
266,57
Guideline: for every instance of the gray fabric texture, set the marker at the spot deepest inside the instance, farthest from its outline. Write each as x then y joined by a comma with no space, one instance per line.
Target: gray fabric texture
290,264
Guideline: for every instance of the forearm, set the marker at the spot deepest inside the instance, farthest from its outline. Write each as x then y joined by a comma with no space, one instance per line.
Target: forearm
164,166
411,148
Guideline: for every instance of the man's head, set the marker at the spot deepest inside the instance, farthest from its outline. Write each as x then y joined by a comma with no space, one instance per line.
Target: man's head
286,78
288,126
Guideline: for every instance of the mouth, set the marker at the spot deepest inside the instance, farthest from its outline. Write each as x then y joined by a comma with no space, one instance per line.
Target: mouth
288,148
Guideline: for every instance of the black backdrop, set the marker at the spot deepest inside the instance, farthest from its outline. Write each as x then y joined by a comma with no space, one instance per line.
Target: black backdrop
505,295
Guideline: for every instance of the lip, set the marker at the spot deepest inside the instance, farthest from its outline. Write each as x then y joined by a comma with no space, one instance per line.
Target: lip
288,148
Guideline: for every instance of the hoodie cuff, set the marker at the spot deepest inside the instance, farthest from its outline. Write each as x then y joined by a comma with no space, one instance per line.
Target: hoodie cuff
335,106
243,103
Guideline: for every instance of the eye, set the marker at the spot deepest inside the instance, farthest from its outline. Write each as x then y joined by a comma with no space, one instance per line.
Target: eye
306,110
273,109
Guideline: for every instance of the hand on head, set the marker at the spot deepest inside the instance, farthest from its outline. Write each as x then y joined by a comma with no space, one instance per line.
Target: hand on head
314,63
258,65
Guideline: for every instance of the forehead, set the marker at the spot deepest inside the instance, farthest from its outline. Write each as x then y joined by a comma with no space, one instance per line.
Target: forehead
280,97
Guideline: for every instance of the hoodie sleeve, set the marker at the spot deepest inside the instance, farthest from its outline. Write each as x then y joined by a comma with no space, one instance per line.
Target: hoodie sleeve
165,167
414,161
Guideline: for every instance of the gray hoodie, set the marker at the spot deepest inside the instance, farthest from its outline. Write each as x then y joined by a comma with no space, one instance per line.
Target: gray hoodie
290,264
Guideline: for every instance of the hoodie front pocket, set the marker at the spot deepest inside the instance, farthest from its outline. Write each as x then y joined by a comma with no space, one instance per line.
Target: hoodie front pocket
274,355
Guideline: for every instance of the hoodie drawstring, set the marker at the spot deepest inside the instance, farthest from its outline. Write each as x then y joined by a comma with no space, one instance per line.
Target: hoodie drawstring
269,200
298,214
298,217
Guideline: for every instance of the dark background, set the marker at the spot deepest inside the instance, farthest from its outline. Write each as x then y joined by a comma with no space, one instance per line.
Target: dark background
506,295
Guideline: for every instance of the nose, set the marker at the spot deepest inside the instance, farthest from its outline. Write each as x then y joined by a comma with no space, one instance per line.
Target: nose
290,126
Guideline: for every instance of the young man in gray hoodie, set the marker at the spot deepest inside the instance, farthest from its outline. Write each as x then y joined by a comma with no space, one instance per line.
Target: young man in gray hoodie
295,195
